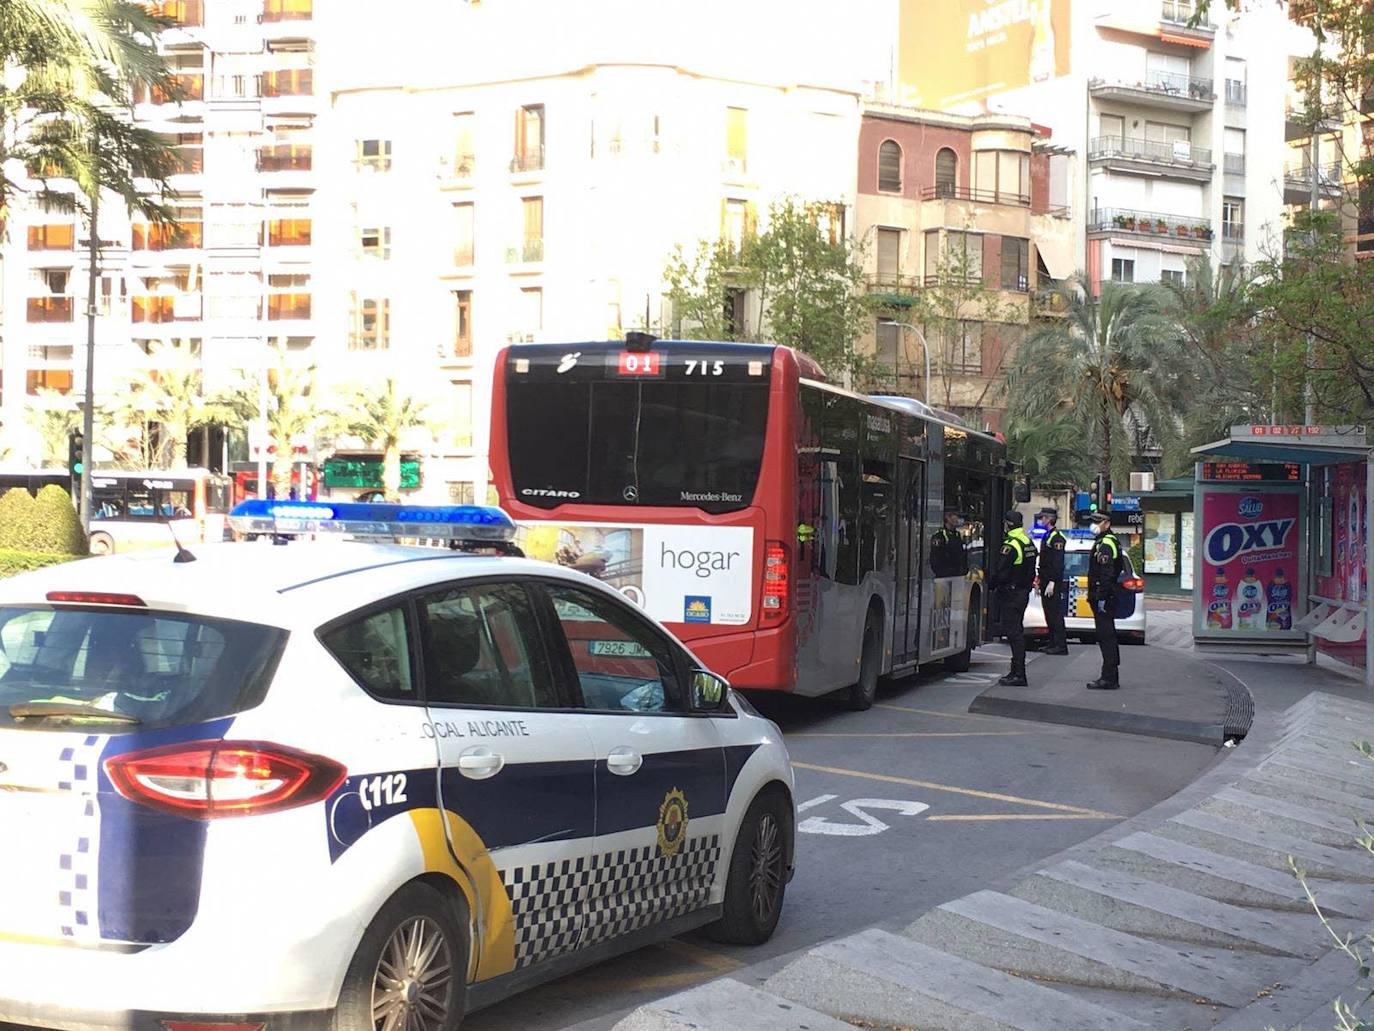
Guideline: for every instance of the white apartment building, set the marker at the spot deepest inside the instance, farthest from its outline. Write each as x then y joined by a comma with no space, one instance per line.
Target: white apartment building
241,270
521,172
1182,128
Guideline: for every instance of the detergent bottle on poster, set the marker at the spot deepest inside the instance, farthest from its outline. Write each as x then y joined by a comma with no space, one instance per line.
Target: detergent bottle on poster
1339,568
1219,602
1354,556
1280,608
1250,603
1042,43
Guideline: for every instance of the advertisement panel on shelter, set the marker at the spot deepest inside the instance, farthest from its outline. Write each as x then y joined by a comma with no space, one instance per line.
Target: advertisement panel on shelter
677,574
955,51
1342,543
1249,552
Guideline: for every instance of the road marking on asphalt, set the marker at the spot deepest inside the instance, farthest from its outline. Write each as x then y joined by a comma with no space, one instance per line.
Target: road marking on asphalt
985,817
912,733
868,823
971,792
934,712
811,803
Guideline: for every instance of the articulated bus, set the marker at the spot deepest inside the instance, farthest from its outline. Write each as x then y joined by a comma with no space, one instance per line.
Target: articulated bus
778,524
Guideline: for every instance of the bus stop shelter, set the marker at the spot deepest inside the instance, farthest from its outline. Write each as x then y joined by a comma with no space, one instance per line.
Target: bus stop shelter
1282,552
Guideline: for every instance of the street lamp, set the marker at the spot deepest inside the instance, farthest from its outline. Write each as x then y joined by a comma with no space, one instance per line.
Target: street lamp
925,349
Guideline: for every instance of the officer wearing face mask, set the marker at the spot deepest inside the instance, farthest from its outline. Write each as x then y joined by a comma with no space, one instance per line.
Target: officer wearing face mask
947,554
1052,580
1011,581
1104,571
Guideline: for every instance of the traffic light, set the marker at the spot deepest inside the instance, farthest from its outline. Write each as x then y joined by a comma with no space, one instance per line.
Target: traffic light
1107,493
75,467
1094,493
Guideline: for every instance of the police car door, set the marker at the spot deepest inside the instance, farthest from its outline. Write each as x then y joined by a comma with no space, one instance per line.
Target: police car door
516,770
660,771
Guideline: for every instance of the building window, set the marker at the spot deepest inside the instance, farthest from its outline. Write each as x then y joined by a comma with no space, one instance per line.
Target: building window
529,139
890,166
1233,219
1015,264
59,380
736,140
461,493
946,172
1123,270
462,415
287,10
531,310
889,255
888,336
1172,277
464,144
462,324
932,262
288,232
736,223
369,323
1002,176
1234,142
52,237
1235,81
375,242
964,256
374,155
288,82
734,313
464,238
288,296
188,152
532,248
963,347
285,157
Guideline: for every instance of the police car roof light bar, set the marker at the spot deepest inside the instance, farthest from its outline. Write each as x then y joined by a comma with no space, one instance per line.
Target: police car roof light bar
473,523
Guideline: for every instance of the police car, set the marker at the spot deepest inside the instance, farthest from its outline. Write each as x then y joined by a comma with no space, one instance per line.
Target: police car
358,785
1078,616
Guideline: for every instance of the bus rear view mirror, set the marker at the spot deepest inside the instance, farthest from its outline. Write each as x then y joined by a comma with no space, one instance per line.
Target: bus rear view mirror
1021,492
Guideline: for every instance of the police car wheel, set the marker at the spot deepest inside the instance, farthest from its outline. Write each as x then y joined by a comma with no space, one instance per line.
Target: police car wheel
757,880
861,696
410,969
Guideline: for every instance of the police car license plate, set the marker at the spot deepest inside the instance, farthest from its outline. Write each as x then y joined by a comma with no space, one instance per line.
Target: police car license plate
620,649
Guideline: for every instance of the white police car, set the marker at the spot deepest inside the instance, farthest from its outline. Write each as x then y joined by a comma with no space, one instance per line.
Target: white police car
1078,613
357,785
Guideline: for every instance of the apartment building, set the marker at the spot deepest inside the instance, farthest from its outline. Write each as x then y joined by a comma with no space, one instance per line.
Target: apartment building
240,270
968,221
1181,127
484,194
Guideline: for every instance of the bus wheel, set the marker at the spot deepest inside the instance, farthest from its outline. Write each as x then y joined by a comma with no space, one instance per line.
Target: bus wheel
862,694
961,662
101,544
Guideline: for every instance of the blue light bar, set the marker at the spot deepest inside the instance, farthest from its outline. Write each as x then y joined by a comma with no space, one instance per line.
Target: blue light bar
372,519
1080,533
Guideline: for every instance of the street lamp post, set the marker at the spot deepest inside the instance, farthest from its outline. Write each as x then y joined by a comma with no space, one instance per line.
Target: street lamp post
925,350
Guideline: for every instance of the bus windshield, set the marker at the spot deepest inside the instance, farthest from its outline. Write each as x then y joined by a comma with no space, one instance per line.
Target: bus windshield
670,442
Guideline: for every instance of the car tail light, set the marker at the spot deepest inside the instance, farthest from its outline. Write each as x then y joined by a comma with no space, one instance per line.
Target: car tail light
206,780
1133,584
777,581
212,1025
96,598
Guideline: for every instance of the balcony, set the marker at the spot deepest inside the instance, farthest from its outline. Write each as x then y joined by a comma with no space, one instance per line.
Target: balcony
1116,221
148,236
51,309
1049,300
282,307
287,82
948,192
1233,233
1176,159
285,157
1233,164
1182,16
188,160
185,13
456,170
528,160
1301,118
464,255
528,253
289,232
1236,93
1298,182
1169,90
286,10
161,308
52,237
187,87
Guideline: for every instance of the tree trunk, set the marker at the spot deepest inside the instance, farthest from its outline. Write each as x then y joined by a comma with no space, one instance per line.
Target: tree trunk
1104,453
391,472
281,468
176,444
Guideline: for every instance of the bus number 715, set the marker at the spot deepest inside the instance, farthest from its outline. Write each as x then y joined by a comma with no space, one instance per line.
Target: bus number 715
700,367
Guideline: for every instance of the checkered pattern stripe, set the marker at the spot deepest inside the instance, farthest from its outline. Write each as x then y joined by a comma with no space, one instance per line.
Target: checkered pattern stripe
622,891
77,863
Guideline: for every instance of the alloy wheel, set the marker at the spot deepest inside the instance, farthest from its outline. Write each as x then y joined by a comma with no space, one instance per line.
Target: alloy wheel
412,989
765,868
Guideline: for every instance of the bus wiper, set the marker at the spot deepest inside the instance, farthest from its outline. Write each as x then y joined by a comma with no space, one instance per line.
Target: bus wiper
67,710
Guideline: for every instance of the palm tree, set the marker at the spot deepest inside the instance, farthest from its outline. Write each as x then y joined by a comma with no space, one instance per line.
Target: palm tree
53,417
292,407
1048,451
383,418
1111,367
169,392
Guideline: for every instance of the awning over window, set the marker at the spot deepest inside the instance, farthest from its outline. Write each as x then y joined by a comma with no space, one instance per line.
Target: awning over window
1057,256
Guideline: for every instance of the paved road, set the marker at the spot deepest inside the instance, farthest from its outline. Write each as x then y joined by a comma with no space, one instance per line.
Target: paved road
905,807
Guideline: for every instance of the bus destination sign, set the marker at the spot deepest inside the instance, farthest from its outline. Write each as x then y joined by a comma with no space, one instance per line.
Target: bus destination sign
1245,472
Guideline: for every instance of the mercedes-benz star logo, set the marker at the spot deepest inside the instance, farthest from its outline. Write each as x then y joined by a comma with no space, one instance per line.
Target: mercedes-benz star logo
630,494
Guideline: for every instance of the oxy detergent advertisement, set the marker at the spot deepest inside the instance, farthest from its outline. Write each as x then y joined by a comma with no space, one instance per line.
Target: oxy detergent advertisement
677,574
1250,546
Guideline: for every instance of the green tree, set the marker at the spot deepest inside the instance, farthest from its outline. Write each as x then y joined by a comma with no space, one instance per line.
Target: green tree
1049,451
293,408
1111,369
804,279
53,416
383,418
170,393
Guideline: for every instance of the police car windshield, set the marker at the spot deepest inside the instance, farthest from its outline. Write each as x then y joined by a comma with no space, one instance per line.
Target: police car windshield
61,668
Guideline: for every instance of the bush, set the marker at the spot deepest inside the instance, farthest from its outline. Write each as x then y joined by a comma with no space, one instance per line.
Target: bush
57,527
17,515
13,562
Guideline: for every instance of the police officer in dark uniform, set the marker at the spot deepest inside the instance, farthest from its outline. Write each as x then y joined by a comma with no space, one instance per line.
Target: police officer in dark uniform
1052,580
1104,571
947,554
1012,578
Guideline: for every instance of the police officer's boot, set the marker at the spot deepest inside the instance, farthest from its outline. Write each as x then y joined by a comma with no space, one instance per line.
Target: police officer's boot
1016,678
1106,682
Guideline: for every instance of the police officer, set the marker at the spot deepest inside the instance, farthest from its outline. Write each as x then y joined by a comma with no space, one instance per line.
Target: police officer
1104,570
1011,581
1052,580
947,554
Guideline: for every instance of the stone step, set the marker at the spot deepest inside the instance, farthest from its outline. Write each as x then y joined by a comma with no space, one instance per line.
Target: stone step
727,1005
1320,860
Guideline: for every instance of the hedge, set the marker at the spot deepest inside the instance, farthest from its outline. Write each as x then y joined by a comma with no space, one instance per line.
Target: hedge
12,562
46,524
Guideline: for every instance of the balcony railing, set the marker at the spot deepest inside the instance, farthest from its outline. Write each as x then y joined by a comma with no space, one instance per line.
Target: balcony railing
457,166
189,160
287,82
288,306
288,232
1298,109
463,255
528,160
189,85
1328,176
1049,299
1233,232
530,250
285,157
1182,12
50,309
944,191
1150,222
1235,93
1171,84
287,10
1233,164
158,308
1174,152
149,236
52,237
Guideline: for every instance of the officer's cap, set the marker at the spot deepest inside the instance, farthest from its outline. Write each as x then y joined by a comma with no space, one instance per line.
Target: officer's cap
1050,510
951,510
1013,518
1101,516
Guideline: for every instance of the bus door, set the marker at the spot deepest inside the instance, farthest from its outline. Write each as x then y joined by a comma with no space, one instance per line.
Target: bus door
906,630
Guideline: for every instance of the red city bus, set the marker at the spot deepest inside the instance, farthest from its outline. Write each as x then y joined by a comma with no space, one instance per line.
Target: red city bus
777,523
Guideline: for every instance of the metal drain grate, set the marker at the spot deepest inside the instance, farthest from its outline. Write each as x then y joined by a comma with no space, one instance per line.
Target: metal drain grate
1240,709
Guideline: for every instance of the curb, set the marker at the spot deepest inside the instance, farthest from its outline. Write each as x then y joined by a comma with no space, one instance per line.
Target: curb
1096,719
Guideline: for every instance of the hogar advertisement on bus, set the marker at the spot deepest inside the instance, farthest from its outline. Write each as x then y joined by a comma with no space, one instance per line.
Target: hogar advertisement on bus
677,574
1250,545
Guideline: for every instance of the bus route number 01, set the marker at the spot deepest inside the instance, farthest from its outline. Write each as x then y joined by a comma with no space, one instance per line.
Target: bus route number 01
640,363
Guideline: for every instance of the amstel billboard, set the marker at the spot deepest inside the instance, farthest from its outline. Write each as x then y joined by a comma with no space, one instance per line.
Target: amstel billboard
954,51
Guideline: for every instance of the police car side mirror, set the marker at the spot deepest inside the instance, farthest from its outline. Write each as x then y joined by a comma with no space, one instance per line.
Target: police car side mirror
708,691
